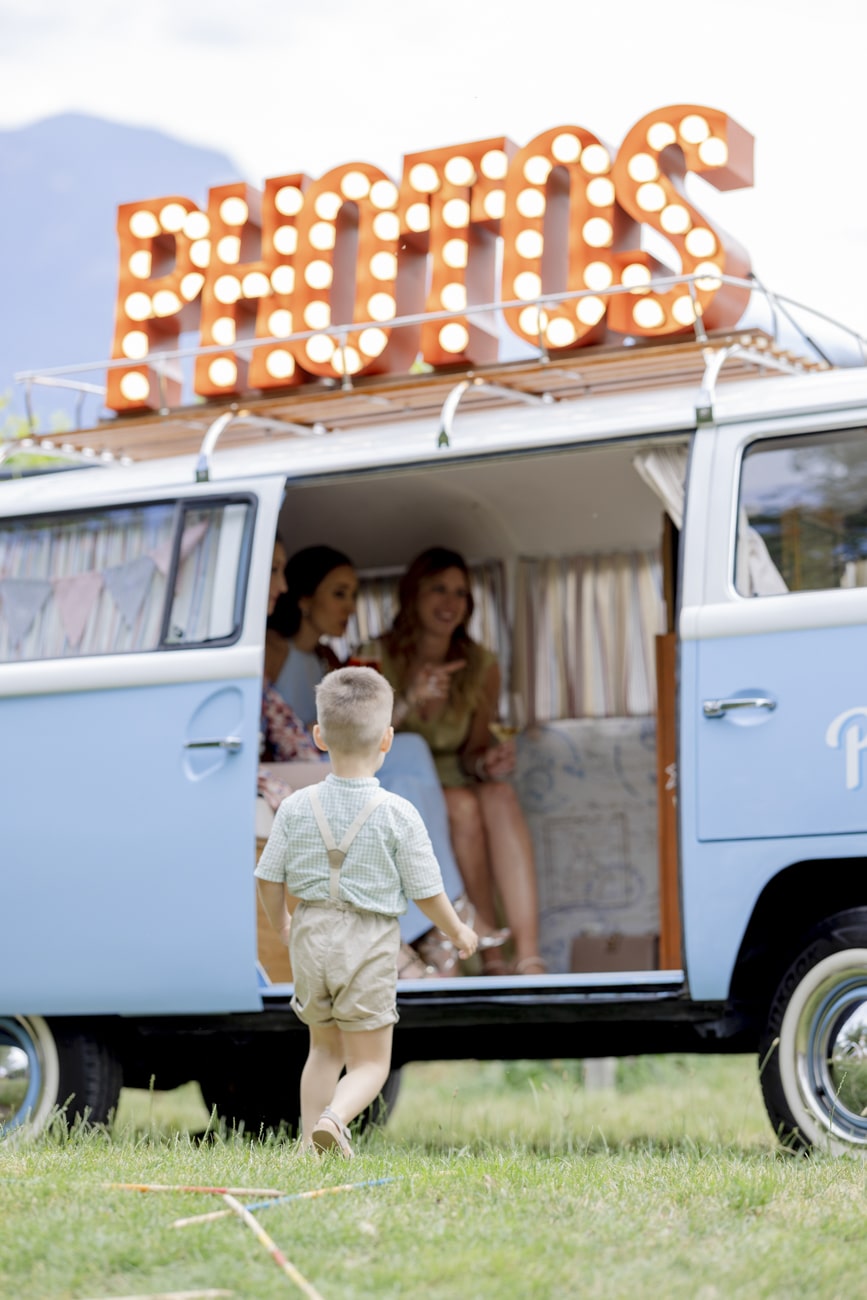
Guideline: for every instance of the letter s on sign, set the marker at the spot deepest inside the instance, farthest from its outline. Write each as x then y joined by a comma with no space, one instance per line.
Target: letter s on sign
648,175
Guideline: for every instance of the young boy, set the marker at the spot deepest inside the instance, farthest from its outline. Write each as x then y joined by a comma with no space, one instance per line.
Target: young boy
349,855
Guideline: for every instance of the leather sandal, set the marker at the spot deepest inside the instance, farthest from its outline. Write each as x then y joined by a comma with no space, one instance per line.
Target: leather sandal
493,963
439,952
534,965
491,938
331,1134
410,965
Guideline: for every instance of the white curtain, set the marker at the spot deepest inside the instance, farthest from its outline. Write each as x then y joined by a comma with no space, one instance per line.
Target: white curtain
584,635
96,583
103,589
664,470
755,572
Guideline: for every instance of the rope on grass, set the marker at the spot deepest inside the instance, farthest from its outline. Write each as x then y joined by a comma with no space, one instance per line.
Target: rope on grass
282,1200
272,1248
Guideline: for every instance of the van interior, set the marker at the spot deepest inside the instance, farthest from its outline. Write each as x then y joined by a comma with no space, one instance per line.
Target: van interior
572,557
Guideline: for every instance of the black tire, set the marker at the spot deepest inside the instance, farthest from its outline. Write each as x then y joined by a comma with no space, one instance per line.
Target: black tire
376,1115
813,1056
257,1103
46,1067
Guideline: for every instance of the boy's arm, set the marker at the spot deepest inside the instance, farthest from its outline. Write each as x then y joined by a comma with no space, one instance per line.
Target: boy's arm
279,906
439,910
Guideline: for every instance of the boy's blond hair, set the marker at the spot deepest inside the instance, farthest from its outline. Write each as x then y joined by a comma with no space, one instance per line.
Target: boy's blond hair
353,709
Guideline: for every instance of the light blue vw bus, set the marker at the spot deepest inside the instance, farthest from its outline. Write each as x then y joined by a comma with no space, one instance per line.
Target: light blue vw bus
671,563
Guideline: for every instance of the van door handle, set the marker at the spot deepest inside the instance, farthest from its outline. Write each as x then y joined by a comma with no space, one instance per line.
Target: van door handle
718,708
232,743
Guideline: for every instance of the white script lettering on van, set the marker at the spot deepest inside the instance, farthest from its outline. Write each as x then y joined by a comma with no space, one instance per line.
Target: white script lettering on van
854,740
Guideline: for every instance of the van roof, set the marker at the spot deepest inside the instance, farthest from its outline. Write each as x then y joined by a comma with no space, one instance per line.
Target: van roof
323,429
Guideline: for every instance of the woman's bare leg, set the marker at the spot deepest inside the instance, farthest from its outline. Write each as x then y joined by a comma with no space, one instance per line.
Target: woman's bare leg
513,867
468,841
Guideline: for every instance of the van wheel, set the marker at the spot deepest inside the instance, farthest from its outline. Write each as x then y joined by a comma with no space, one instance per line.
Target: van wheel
44,1068
260,1104
813,1057
256,1102
378,1111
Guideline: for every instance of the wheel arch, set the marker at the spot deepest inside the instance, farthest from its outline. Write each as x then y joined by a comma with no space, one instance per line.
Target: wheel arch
791,906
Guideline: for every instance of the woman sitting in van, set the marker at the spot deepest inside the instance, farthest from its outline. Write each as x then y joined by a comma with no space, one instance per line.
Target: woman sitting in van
316,599
283,738
447,689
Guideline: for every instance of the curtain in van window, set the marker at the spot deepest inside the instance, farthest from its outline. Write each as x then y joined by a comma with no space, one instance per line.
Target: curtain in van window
664,470
584,635
95,583
83,584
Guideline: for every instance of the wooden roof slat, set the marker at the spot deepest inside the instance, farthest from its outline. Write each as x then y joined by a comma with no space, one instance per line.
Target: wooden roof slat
383,399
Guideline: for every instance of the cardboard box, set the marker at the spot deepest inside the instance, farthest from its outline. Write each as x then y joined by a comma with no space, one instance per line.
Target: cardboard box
610,952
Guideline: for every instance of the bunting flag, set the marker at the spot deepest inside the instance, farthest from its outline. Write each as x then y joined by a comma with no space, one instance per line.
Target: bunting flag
75,597
77,594
22,599
128,585
192,535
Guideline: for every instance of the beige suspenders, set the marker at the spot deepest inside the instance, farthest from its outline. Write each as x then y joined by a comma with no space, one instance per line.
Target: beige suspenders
337,852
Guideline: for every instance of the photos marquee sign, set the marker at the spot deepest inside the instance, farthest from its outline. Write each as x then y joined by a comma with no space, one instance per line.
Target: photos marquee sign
357,250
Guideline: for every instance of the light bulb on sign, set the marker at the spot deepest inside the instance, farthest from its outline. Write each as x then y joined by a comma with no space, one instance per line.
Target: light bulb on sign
280,364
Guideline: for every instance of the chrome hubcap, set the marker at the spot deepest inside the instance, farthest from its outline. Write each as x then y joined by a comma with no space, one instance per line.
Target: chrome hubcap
21,1074
831,1050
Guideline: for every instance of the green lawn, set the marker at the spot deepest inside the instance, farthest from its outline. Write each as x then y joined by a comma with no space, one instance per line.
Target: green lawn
509,1181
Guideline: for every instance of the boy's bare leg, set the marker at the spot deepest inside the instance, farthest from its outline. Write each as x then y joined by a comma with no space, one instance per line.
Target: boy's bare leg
368,1061
319,1077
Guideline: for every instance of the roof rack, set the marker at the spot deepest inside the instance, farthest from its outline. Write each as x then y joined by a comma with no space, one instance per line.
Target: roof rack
330,405
716,359
44,458
222,422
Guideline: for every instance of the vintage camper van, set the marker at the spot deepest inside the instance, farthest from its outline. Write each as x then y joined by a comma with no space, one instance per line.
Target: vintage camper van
669,553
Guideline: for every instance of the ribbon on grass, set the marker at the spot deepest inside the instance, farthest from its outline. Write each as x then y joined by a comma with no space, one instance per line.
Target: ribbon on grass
282,1200
272,1248
192,1187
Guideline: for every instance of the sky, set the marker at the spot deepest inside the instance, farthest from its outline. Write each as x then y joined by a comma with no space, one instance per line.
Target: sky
283,86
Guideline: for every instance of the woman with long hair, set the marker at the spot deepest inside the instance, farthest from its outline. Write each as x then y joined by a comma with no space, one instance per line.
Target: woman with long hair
447,690
316,600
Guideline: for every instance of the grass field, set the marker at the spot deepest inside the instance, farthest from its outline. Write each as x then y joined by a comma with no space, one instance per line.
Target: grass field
508,1181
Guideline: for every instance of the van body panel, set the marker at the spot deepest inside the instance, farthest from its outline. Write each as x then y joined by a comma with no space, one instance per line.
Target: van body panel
110,671
128,872
722,879
783,771
127,863
760,786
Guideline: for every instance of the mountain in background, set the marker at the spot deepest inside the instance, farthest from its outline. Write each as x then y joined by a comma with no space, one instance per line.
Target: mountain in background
62,181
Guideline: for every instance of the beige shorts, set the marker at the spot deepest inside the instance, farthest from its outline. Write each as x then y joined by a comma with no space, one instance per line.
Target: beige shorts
345,966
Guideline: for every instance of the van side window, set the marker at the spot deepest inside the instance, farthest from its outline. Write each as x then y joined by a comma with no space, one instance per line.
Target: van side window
96,582
214,545
802,516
